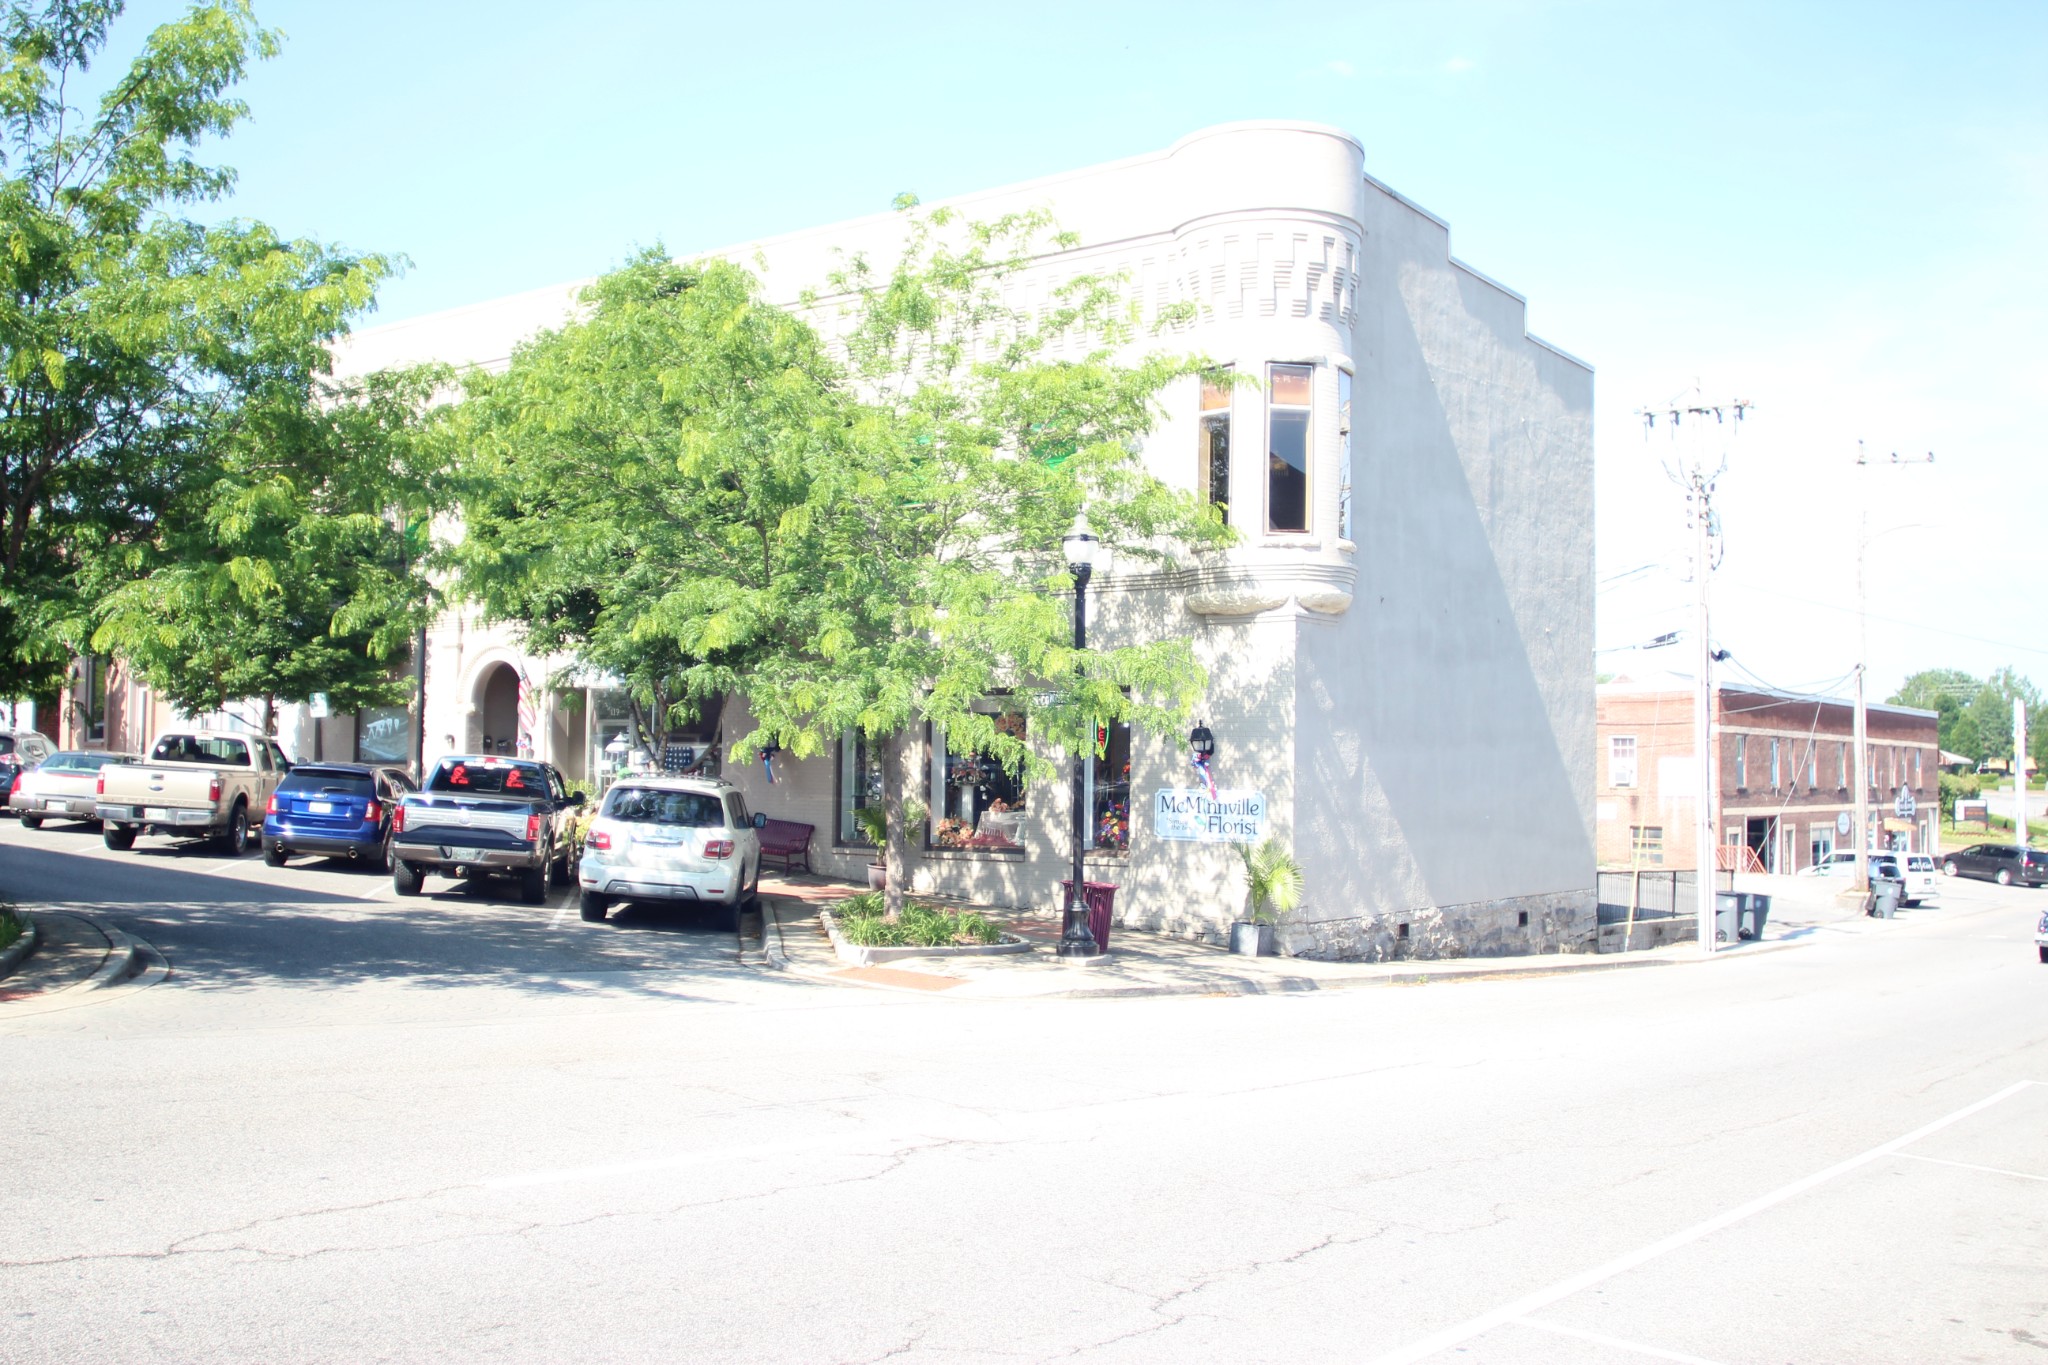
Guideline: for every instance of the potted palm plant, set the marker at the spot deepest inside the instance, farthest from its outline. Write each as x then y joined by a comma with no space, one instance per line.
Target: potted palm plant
1272,888
874,827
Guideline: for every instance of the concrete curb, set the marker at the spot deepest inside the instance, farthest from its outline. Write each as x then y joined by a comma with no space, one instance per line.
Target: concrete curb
124,958
20,948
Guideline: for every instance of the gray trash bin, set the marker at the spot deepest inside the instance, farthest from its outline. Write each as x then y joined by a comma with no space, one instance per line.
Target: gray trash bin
1885,899
1755,911
1727,916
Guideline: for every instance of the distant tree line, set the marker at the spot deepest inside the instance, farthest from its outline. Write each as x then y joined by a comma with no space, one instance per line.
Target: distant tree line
1976,714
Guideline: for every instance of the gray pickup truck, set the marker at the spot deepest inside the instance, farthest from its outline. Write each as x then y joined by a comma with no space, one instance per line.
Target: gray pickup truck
480,814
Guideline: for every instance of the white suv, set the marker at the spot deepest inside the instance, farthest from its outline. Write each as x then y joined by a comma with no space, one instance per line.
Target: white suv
1922,885
672,838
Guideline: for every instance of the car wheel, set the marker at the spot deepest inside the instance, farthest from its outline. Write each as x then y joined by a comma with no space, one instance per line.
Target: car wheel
564,868
533,885
1949,868
273,853
407,878
31,821
383,863
116,837
594,905
2005,876
234,840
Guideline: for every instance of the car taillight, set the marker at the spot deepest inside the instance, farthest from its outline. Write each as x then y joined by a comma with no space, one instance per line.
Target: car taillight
99,786
373,813
718,848
15,785
599,840
270,806
213,789
398,819
532,828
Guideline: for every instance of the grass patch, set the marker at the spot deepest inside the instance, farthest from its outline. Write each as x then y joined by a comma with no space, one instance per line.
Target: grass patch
921,925
12,926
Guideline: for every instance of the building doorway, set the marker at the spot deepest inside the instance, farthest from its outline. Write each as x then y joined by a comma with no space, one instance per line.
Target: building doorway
1762,837
497,709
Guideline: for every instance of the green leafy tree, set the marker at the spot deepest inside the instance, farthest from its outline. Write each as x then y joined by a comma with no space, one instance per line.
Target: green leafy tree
307,568
647,465
1947,692
1990,713
131,337
929,574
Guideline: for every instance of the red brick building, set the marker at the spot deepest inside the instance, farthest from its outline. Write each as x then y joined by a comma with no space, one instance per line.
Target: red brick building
1787,769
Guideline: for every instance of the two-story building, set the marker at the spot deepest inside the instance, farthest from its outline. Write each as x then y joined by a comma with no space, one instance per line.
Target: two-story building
1406,623
1785,778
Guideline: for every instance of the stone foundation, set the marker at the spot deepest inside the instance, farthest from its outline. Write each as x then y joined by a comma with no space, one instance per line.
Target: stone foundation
1560,922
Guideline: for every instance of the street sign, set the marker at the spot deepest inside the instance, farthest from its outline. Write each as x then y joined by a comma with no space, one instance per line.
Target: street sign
1842,823
317,707
1904,805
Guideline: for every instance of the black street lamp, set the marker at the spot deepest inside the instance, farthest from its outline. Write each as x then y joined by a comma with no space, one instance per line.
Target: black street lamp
1076,939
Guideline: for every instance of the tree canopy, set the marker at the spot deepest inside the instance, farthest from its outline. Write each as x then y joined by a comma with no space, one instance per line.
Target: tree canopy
691,489
1976,714
135,342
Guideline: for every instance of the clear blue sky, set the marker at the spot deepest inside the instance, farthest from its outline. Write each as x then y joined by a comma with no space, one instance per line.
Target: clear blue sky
1835,211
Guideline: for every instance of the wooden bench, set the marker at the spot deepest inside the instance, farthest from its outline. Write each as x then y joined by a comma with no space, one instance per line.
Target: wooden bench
789,841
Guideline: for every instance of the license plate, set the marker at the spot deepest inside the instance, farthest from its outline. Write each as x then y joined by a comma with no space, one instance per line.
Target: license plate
55,803
463,855
320,807
155,813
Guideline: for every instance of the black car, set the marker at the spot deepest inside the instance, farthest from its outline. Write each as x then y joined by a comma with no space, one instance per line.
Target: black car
2001,863
20,750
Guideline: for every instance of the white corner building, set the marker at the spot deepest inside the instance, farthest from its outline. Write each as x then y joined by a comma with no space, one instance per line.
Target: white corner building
1399,650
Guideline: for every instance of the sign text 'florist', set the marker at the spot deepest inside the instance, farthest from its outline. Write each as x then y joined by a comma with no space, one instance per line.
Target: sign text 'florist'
1228,817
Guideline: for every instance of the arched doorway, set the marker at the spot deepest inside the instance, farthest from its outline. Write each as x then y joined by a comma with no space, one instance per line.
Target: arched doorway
497,709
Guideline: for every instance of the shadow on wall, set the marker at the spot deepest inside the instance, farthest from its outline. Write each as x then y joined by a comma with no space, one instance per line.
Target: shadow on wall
1445,747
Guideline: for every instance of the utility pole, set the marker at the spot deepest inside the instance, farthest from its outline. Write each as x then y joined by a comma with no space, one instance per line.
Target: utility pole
2019,769
1691,475
1865,845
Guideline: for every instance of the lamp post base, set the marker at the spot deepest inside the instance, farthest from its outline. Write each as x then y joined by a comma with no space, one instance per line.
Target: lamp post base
1092,958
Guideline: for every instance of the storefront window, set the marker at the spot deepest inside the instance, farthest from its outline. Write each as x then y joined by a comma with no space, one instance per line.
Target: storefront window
975,802
384,734
1106,780
1213,457
860,783
611,718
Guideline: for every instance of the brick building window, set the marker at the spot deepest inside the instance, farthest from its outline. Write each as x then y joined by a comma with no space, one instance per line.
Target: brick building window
1621,760
1775,779
1842,766
1812,765
1646,843
1741,763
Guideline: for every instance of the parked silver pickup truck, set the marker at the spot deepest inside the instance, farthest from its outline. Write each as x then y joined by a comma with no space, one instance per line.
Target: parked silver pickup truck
195,784
479,814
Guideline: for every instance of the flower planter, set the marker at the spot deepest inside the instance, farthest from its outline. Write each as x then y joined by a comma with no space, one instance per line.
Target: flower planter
861,956
1251,940
878,876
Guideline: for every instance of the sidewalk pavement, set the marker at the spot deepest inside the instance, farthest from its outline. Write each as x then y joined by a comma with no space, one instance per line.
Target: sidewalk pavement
1143,963
75,955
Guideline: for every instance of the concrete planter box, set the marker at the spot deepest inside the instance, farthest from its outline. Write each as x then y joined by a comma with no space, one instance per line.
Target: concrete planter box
859,956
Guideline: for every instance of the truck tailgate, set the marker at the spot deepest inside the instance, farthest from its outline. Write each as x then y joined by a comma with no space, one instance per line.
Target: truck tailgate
174,786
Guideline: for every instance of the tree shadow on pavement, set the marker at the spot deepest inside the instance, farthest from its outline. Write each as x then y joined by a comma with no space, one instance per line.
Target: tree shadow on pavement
228,933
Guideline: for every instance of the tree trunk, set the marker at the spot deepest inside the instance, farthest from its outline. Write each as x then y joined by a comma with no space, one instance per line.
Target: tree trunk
270,715
896,847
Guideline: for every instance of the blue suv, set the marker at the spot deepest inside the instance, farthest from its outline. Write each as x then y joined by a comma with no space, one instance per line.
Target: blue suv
337,810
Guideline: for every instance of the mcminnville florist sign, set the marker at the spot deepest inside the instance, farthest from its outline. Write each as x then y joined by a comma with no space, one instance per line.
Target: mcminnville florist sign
1228,817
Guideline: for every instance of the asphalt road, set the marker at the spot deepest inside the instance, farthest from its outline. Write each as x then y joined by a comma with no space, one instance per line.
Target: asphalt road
347,1127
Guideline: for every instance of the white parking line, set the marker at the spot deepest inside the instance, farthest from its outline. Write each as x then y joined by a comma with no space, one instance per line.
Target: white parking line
1543,1298
1970,1166
1615,1343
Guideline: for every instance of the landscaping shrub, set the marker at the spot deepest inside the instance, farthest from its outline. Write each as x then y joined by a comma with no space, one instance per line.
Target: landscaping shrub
921,925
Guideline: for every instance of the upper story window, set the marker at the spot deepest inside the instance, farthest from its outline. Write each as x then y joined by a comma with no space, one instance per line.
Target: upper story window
1812,765
1344,454
1287,446
1213,454
1841,764
1741,762
1774,765
1621,760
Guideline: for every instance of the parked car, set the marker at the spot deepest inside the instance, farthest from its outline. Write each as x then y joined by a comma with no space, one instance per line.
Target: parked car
20,750
480,814
195,784
338,810
1922,878
675,839
2001,863
1842,863
64,786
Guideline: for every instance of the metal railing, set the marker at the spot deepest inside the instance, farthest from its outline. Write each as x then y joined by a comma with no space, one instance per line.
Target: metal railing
1654,893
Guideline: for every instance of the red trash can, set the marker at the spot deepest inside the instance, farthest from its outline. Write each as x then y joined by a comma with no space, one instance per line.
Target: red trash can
1100,898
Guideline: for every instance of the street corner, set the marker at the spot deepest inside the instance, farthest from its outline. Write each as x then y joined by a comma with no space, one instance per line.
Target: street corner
73,957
